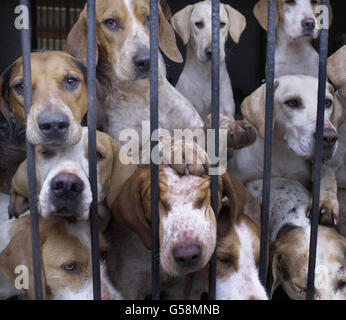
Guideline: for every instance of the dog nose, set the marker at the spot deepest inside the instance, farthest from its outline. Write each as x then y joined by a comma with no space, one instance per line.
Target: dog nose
67,186
208,52
142,61
187,255
329,136
53,124
308,24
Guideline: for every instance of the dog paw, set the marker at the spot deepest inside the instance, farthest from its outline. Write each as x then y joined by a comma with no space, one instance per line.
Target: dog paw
17,206
328,209
241,134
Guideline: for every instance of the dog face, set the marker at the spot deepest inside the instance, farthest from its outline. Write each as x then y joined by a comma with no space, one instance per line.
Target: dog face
238,251
123,38
297,18
187,221
289,261
295,108
59,97
194,25
63,176
65,256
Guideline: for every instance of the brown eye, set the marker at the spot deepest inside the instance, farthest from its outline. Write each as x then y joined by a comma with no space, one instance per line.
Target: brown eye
99,156
71,83
291,2
71,268
328,103
112,24
314,1
19,88
199,25
222,24
292,103
47,153
226,260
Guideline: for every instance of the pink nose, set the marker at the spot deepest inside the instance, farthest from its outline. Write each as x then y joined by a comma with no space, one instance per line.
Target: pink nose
187,255
329,135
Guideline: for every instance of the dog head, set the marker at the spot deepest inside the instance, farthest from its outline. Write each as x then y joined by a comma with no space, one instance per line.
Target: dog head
238,252
65,255
59,97
63,177
123,38
336,70
187,221
194,26
295,111
297,18
289,263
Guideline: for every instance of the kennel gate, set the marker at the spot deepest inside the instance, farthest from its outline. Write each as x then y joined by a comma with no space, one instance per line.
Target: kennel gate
91,79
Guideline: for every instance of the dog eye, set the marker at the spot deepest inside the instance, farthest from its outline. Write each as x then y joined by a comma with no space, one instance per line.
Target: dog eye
291,2
71,268
147,21
199,25
314,1
226,260
19,88
99,156
47,153
328,103
112,24
292,103
71,83
222,24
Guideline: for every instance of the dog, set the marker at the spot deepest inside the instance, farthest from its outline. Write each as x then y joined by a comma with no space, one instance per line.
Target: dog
296,27
295,102
289,264
187,227
59,98
123,65
62,175
193,25
65,254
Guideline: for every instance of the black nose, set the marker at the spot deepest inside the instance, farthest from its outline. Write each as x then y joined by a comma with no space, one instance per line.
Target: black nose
66,186
142,61
53,124
308,24
187,256
208,53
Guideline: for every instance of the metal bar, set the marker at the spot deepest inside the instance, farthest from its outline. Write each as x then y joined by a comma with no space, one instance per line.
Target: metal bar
322,78
154,123
215,112
30,154
91,61
270,73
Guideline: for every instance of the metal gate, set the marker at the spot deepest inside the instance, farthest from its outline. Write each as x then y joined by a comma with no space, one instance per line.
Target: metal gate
43,41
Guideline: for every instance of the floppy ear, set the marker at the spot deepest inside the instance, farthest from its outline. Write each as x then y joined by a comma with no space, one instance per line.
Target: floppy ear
120,174
128,209
254,106
76,42
274,267
19,252
4,109
261,13
234,207
237,23
166,9
181,23
167,41
339,111
337,70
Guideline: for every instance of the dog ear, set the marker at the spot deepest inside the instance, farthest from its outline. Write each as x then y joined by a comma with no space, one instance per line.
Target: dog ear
275,259
254,107
336,70
128,209
237,23
234,207
19,253
166,9
120,173
261,13
167,41
181,23
339,110
76,42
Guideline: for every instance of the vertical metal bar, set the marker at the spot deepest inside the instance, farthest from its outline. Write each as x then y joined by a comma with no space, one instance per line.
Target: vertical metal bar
91,60
30,153
270,73
154,122
47,24
215,92
322,78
